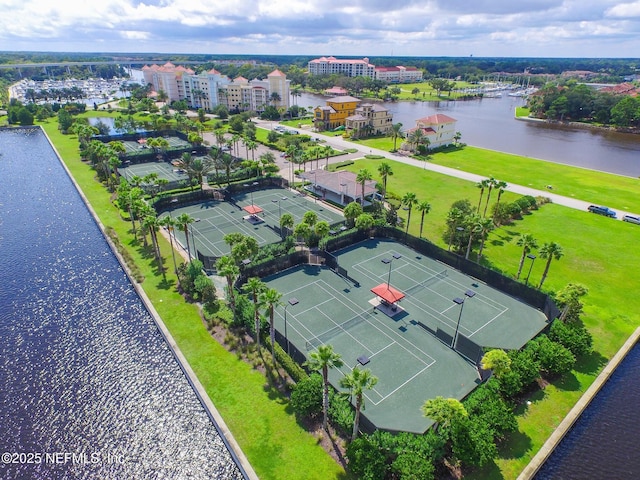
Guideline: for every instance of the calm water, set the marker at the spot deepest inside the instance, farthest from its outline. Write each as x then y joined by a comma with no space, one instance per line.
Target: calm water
84,369
489,123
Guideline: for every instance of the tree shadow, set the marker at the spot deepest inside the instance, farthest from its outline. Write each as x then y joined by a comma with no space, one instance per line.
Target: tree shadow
591,364
514,445
568,382
166,284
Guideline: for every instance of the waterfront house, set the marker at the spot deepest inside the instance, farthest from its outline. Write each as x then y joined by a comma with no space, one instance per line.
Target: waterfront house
439,129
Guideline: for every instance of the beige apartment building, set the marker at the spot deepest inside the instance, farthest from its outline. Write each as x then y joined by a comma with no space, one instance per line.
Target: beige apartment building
209,89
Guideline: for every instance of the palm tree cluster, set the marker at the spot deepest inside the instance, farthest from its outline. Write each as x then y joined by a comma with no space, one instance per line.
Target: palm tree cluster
549,251
357,381
408,201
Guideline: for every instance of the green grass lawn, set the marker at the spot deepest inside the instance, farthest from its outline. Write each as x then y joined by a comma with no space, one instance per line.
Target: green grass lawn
276,446
615,191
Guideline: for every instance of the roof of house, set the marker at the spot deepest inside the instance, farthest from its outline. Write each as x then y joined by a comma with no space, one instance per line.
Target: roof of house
343,99
437,119
276,73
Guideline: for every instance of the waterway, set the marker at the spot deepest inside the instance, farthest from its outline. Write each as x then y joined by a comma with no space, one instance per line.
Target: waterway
489,123
90,388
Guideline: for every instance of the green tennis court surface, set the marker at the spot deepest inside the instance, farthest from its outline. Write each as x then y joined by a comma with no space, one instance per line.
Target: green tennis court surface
410,349
162,169
215,219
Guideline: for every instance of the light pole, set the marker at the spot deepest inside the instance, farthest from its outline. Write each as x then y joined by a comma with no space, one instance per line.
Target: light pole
389,261
290,302
460,301
533,258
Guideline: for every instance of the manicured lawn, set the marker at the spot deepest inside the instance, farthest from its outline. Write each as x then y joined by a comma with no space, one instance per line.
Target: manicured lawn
276,446
615,191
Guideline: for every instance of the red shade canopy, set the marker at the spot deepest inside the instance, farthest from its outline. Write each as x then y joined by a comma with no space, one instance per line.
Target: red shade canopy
388,293
252,209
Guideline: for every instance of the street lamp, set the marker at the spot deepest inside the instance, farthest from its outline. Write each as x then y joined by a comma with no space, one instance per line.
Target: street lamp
533,258
290,302
460,301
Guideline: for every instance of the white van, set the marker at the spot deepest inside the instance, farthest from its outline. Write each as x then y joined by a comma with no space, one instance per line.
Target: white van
631,219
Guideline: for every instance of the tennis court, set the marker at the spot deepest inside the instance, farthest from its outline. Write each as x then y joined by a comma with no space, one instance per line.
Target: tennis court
215,219
409,349
162,169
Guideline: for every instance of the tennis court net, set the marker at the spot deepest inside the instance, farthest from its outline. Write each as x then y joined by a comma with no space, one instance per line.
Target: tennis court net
429,281
333,332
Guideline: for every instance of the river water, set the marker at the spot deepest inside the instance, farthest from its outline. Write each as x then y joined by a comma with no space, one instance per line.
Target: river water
489,123
90,388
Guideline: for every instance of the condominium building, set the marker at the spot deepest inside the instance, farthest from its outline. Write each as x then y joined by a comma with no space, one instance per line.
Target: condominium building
398,74
349,68
242,94
209,89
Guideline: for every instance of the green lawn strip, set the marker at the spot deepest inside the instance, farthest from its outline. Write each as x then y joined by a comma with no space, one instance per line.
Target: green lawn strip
276,446
588,185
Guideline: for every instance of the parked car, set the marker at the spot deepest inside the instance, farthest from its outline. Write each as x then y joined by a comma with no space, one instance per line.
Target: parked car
631,219
600,210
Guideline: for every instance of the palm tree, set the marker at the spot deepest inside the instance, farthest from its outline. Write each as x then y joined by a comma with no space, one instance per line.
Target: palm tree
474,226
152,224
226,267
327,152
501,186
275,98
492,184
549,250
486,225
255,286
321,360
357,382
454,219
527,242
363,176
456,138
182,222
286,223
423,207
408,201
417,138
385,171
481,185
271,298
169,223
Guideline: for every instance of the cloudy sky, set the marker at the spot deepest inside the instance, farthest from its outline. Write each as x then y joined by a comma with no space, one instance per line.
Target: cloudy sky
504,28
